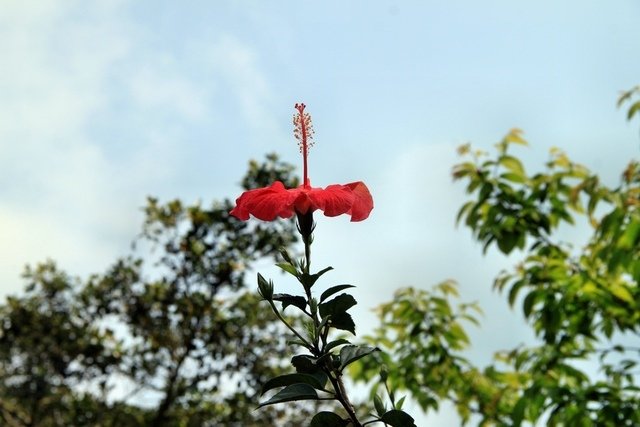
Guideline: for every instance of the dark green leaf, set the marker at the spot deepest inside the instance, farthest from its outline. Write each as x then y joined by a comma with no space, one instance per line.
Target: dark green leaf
314,381
288,300
304,364
528,303
351,353
292,393
377,403
344,322
336,343
286,256
328,419
633,110
513,292
297,342
309,280
333,290
338,305
396,418
518,411
508,242
464,210
265,288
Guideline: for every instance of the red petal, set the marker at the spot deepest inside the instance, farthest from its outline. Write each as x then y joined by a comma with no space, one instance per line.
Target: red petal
362,203
334,200
265,203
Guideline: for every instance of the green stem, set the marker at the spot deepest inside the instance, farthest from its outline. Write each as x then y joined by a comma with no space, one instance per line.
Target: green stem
306,227
291,328
307,254
341,396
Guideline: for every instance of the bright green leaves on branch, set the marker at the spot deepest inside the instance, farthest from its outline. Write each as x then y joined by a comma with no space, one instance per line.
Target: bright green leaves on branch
423,333
512,205
582,302
627,96
579,301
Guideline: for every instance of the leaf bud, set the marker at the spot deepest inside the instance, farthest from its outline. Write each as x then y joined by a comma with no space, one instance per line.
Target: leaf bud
265,289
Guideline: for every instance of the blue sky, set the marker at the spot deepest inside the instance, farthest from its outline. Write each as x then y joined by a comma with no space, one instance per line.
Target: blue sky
103,103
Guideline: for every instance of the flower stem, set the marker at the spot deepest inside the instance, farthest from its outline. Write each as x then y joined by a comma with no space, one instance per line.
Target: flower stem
341,396
283,320
305,228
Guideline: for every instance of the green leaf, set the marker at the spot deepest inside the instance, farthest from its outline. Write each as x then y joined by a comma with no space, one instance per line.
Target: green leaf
308,280
621,292
515,137
377,403
629,238
508,242
513,292
288,300
528,303
626,95
485,192
513,165
633,110
344,322
297,342
396,418
513,177
338,305
400,403
305,364
336,343
464,210
292,393
316,381
333,290
289,268
328,419
265,288
351,353
286,256
518,411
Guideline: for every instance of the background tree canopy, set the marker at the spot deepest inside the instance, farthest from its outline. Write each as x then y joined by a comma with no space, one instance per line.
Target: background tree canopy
167,336
582,302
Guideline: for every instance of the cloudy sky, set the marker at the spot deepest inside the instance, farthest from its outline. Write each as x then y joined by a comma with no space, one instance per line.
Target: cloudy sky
105,102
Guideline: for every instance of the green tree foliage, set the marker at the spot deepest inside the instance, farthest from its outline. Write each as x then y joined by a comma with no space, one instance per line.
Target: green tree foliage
583,303
173,325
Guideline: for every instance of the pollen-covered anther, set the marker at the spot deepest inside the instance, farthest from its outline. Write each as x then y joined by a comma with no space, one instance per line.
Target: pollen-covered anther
303,128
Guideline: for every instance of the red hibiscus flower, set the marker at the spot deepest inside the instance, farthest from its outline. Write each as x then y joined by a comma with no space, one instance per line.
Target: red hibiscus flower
275,201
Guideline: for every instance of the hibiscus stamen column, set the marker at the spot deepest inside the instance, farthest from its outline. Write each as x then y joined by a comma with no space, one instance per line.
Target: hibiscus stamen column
303,131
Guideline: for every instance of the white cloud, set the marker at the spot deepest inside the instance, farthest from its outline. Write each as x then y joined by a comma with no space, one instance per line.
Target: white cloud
65,193
238,64
95,117
157,84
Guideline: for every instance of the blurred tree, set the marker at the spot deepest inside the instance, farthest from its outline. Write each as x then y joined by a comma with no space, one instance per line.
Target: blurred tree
175,328
582,303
